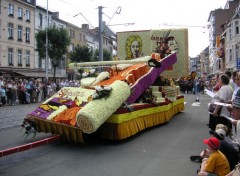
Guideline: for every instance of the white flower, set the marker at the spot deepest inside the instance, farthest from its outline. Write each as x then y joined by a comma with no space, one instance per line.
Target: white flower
96,112
107,88
92,71
87,81
99,88
95,95
85,74
102,76
59,110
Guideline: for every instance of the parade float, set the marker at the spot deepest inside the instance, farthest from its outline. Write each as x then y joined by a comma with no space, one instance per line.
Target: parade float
117,103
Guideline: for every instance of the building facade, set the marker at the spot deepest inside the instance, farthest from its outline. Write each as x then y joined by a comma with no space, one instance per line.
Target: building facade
17,41
217,19
21,20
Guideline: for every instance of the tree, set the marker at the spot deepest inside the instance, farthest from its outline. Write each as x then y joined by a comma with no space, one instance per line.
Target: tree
58,40
107,56
81,54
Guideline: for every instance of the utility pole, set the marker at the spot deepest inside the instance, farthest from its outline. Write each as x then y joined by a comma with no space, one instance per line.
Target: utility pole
100,35
46,60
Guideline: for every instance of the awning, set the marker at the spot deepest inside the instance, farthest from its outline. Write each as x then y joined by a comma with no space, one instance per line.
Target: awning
38,74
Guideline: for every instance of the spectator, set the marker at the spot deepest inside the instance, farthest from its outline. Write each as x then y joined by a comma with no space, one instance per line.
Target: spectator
236,82
216,164
40,90
229,136
197,88
9,92
3,94
226,148
231,81
14,93
1,81
235,112
235,172
223,95
217,86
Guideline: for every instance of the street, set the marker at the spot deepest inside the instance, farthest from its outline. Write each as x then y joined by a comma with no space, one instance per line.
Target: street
162,150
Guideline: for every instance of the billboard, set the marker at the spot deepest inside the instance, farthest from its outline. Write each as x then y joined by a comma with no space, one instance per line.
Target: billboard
134,44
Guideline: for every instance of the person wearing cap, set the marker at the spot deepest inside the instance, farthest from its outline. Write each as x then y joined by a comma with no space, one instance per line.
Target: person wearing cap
226,148
216,164
228,138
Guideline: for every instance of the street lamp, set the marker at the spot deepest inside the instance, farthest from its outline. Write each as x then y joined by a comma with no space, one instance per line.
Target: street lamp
46,62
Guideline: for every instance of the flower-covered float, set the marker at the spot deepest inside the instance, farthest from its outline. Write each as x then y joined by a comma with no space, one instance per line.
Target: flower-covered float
116,104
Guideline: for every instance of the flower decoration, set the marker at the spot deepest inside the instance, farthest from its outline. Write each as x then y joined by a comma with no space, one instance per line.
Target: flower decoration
91,73
129,108
30,127
102,92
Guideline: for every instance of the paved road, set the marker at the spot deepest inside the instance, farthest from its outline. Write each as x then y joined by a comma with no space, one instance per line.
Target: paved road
163,150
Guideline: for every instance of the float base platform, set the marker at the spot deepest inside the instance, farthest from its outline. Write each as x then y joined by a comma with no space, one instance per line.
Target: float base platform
120,125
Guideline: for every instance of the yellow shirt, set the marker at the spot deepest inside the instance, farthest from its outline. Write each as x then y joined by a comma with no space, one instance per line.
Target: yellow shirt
217,163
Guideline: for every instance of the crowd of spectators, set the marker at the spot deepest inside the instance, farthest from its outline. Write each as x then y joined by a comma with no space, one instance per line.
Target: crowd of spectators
222,155
187,85
25,91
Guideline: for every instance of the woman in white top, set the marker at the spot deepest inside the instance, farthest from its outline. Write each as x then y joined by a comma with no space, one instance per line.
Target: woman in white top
223,95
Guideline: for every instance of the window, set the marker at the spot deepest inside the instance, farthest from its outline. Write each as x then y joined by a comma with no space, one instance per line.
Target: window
27,58
29,1
19,33
39,63
236,27
71,47
71,33
19,57
84,38
80,37
40,19
28,15
11,10
237,52
10,31
10,56
27,34
230,34
230,55
20,13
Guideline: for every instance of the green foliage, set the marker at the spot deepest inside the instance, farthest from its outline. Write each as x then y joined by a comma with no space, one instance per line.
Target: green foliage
107,56
58,41
81,54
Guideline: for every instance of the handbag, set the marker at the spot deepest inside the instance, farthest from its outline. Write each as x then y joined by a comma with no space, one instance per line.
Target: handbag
212,107
236,171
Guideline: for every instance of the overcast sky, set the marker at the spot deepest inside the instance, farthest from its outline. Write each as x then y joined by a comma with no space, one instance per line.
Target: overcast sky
146,15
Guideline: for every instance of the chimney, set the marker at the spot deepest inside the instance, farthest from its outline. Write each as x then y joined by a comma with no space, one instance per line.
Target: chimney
55,15
85,26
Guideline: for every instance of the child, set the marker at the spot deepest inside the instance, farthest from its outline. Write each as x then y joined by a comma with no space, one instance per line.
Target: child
216,164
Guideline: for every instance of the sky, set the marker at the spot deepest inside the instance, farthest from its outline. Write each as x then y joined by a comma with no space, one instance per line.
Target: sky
133,15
